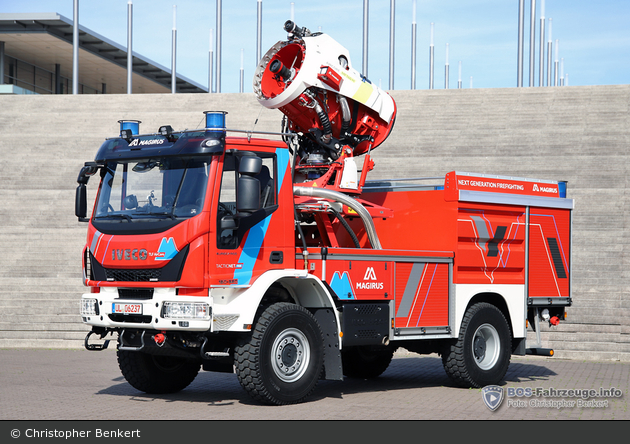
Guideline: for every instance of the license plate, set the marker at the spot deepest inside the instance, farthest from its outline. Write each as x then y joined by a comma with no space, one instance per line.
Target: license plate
127,308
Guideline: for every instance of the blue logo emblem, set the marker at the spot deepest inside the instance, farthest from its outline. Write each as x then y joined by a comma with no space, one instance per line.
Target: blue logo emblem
341,285
492,396
167,250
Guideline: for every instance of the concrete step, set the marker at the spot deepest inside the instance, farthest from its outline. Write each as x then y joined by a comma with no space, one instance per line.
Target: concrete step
40,342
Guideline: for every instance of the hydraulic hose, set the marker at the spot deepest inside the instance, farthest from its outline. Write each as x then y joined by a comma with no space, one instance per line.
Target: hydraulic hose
342,221
347,200
326,126
346,116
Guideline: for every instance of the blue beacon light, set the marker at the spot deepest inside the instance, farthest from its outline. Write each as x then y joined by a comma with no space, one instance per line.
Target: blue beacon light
133,125
562,189
215,123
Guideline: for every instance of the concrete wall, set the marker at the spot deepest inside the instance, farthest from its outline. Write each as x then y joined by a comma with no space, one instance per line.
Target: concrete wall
579,134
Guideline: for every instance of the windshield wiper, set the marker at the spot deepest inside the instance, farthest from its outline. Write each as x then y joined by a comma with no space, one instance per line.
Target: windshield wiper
164,213
118,216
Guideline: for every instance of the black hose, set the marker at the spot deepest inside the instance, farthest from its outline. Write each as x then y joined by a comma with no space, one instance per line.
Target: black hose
343,222
323,118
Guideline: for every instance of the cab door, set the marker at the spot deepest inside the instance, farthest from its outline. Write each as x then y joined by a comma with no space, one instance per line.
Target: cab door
251,239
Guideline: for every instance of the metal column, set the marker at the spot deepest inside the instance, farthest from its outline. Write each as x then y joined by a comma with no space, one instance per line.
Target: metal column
210,64
555,67
129,47
549,51
219,19
532,42
242,76
521,26
413,46
75,48
366,7
446,66
1,63
174,53
541,55
392,33
258,31
431,59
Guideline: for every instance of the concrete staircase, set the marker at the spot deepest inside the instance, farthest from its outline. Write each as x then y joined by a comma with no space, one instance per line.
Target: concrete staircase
579,134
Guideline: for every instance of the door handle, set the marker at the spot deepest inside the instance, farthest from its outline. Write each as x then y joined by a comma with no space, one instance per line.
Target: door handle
276,257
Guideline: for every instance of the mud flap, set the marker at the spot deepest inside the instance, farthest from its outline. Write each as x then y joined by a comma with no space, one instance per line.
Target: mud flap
332,354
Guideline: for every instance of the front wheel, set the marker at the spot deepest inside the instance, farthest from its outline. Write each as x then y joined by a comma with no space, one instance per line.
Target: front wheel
481,355
282,361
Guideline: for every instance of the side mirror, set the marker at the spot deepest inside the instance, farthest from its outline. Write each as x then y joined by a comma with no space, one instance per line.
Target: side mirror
80,199
80,203
86,172
248,186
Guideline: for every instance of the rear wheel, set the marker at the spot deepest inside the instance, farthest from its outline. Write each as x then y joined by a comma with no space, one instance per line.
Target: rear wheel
481,355
366,362
282,361
156,374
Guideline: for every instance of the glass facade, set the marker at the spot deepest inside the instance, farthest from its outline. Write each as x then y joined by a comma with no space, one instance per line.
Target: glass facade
38,80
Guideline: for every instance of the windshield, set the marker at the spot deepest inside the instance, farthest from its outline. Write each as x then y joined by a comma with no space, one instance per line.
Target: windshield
153,189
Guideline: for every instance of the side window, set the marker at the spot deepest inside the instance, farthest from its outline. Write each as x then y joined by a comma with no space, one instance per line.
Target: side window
268,193
232,226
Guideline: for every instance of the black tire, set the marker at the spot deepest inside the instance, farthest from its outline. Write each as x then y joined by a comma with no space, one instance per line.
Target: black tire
481,355
282,361
156,374
366,362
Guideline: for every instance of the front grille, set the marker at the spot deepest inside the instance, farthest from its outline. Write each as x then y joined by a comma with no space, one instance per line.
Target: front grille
135,293
136,319
147,275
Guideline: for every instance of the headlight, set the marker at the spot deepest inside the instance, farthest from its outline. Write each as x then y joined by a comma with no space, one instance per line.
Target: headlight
89,307
186,310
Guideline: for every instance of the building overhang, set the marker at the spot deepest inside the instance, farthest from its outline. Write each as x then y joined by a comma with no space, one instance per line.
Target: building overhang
45,40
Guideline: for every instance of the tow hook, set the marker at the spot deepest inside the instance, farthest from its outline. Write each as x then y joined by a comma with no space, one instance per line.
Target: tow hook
96,347
159,339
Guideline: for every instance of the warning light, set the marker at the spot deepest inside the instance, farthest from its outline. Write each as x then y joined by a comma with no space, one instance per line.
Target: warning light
133,125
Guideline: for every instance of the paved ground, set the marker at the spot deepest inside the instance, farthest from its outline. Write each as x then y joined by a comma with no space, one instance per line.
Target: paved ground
80,385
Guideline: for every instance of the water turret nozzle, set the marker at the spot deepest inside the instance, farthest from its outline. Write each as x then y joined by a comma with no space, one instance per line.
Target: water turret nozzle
280,70
292,28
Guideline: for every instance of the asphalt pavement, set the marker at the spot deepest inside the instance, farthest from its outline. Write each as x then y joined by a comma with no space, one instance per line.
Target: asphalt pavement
79,385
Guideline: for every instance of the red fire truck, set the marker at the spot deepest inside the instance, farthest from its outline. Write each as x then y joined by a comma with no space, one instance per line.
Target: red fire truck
276,259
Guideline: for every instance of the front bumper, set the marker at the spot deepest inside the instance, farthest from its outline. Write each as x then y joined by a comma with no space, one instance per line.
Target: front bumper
105,309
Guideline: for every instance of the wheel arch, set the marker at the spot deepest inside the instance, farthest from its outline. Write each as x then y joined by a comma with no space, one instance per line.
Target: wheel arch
498,301
509,299
302,288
